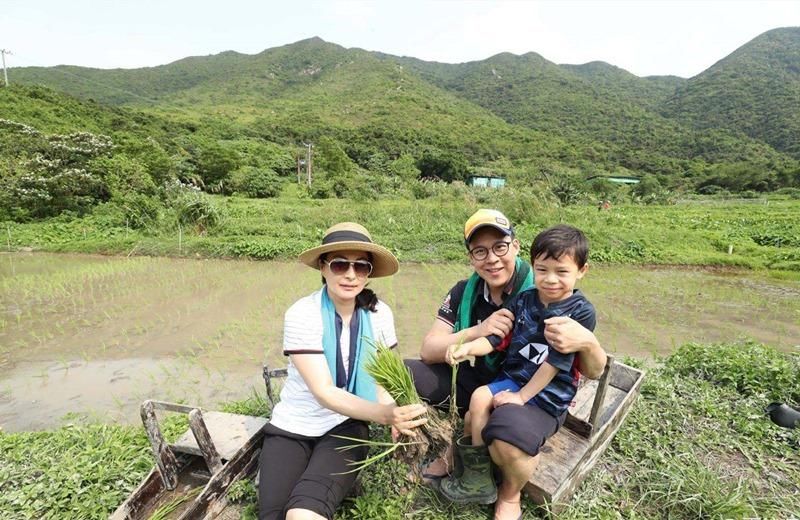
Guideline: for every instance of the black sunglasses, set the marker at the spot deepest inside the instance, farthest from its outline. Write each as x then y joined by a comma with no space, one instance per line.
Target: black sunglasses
340,266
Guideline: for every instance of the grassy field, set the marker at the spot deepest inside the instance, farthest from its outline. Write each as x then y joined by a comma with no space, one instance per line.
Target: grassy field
696,445
759,234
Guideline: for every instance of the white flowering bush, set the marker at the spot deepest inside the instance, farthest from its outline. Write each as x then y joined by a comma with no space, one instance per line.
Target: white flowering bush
46,175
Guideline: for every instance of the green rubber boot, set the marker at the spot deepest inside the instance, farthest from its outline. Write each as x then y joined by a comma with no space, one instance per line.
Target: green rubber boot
474,484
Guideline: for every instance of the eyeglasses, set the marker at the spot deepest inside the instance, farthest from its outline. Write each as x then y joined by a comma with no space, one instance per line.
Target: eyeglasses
498,248
340,266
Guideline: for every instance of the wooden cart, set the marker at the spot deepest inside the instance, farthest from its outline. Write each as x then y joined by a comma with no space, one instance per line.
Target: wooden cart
220,448
569,455
192,476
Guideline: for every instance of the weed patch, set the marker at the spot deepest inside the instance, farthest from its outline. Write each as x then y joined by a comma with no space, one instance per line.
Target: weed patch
697,444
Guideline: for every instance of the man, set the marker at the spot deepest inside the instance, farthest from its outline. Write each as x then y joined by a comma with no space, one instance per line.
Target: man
473,309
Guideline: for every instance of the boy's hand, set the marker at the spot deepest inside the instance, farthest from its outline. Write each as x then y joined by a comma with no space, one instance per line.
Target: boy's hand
457,353
507,397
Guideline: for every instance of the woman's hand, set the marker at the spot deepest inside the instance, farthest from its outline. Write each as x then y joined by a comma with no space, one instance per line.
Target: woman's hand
507,397
499,323
404,419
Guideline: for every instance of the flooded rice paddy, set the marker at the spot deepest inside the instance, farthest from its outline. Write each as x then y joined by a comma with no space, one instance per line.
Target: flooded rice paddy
93,335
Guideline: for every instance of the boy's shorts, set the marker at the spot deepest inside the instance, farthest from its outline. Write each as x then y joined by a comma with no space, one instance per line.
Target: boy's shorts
526,427
505,384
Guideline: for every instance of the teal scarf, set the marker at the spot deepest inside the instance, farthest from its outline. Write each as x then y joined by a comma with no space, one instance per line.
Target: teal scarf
359,382
523,279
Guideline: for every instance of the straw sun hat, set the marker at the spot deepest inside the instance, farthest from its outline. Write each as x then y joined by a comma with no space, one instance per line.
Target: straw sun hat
349,236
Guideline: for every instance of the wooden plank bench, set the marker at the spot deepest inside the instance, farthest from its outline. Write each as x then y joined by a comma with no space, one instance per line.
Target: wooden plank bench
569,455
599,410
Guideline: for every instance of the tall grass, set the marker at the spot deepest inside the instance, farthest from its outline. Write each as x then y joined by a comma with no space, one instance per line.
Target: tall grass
695,445
730,234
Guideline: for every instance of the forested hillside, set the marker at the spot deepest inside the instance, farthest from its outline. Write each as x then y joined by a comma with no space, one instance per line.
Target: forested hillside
755,91
384,125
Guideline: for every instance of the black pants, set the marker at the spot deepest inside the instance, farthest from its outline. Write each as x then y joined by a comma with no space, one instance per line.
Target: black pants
299,472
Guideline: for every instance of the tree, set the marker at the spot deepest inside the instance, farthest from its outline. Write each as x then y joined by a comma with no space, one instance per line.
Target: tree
331,159
258,183
405,167
444,166
215,163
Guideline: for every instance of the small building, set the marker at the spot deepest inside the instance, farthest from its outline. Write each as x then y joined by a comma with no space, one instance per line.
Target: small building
486,181
616,179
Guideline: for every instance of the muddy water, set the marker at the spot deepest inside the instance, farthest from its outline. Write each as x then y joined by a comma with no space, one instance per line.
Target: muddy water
97,335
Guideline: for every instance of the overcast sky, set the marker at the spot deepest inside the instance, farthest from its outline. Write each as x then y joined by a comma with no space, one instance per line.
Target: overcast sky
682,38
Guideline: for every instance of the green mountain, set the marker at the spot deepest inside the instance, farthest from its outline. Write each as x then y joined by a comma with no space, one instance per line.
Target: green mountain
56,112
506,108
611,114
754,91
301,92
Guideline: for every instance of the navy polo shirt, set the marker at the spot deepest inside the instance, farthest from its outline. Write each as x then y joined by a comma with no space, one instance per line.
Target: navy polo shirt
528,349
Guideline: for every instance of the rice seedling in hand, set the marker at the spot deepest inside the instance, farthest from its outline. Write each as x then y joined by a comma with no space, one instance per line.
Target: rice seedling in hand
432,438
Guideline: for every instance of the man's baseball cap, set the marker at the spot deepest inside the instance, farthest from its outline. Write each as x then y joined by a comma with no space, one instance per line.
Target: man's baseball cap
487,218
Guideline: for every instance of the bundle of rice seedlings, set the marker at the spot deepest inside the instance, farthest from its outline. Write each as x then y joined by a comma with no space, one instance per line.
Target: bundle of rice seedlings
432,438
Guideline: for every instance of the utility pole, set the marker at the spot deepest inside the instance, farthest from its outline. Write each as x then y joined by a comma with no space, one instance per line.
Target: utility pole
3,53
299,162
309,156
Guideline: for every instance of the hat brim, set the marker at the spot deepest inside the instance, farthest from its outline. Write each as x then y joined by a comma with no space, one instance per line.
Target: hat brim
384,262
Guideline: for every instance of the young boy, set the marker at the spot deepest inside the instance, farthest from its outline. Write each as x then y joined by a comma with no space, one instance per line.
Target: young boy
533,374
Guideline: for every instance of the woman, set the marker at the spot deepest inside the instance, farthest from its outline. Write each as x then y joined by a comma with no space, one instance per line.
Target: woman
327,336
474,308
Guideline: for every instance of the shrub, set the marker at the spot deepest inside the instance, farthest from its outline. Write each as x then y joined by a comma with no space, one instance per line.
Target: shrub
404,167
567,190
257,183
139,210
792,193
321,189
123,175
751,368
427,188
214,163
444,166
197,210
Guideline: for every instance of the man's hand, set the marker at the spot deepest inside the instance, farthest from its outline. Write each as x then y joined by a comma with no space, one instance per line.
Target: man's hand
507,397
499,323
567,335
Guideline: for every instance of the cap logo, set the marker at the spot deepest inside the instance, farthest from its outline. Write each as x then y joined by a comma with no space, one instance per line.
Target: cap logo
503,222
